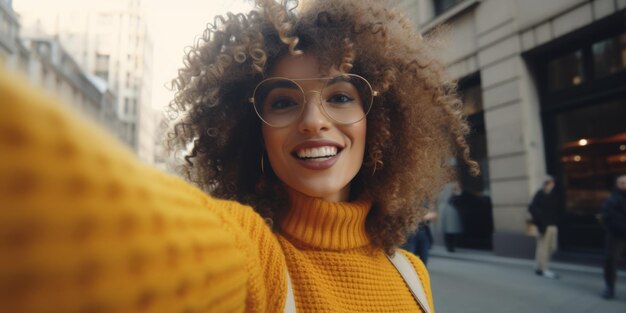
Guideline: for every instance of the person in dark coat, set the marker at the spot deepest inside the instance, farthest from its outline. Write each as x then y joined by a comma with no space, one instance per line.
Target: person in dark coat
544,212
614,221
422,240
451,222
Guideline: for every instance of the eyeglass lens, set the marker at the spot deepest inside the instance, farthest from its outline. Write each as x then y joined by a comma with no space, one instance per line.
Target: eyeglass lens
346,99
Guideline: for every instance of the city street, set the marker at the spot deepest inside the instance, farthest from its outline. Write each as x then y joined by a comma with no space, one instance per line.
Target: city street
468,282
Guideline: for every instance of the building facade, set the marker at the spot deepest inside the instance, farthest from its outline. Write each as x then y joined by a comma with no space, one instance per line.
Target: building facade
47,64
9,28
109,39
544,85
52,68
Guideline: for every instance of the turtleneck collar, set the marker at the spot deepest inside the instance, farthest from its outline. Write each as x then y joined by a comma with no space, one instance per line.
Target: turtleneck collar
327,225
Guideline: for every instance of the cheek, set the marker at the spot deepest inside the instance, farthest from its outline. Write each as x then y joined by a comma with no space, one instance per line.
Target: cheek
359,133
362,134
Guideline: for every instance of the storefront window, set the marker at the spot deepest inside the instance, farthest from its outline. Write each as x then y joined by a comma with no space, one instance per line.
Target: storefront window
609,56
581,79
478,221
565,71
471,94
592,151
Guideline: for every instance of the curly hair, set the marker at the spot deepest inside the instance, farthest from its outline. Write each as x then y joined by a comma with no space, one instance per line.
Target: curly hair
413,128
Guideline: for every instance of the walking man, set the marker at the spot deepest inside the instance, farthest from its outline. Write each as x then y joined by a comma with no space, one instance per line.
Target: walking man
614,221
544,212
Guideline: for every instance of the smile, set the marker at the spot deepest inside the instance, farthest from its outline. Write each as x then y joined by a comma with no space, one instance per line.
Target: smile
317,153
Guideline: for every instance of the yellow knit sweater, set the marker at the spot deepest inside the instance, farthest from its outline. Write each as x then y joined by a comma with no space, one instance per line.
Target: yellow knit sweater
84,227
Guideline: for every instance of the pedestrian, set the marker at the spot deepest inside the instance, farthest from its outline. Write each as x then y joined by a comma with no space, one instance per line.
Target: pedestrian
316,131
544,213
451,222
614,222
420,242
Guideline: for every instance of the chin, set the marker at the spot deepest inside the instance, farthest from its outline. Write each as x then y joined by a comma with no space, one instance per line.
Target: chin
328,192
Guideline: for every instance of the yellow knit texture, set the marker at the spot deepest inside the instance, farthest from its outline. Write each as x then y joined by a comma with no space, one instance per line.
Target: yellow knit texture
85,227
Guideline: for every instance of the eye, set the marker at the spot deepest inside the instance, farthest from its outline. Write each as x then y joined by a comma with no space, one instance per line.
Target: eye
340,98
283,103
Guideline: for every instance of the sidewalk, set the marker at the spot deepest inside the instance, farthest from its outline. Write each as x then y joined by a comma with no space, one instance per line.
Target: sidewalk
488,257
469,281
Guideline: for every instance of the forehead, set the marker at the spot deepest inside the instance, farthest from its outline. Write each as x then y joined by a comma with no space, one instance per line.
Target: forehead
300,66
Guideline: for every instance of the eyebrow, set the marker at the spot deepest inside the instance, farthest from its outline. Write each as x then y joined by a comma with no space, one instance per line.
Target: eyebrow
288,83
282,83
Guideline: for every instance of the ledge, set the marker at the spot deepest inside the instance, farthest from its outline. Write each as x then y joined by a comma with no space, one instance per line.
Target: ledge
450,13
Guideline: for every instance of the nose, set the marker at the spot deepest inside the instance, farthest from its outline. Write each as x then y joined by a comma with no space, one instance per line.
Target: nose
313,119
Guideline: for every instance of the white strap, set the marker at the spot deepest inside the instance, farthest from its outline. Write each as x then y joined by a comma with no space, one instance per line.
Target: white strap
403,266
411,278
290,302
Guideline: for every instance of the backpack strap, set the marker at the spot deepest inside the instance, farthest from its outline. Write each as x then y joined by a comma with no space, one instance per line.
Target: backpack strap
404,267
408,273
290,302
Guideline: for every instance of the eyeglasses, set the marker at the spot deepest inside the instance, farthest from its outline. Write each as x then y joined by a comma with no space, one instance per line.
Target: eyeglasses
345,99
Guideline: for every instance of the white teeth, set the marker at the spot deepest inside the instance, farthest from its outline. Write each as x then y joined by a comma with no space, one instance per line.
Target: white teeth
317,152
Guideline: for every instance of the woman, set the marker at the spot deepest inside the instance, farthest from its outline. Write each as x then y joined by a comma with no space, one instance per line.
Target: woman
325,124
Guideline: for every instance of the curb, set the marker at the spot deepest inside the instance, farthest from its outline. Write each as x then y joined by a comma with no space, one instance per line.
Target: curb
487,257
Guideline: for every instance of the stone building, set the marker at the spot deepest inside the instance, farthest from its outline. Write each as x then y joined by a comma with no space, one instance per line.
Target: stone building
544,85
51,67
109,39
45,63
9,28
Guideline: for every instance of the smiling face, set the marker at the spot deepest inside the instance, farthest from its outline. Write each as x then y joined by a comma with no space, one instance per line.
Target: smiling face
314,155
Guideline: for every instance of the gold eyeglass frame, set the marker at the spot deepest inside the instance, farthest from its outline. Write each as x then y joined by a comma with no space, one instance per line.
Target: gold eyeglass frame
295,81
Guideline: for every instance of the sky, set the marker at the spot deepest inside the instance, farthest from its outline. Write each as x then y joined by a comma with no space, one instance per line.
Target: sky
173,24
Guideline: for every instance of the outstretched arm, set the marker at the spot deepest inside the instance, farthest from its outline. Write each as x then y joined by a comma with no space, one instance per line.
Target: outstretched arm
84,227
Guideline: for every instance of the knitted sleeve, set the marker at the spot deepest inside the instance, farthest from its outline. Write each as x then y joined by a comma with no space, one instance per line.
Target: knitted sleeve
422,272
84,227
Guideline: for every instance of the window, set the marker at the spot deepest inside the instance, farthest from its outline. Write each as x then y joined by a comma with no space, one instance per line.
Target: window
133,134
443,5
128,82
592,151
102,62
609,56
103,74
477,188
565,71
587,64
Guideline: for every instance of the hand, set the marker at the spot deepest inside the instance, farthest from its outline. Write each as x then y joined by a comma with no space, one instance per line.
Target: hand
430,216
